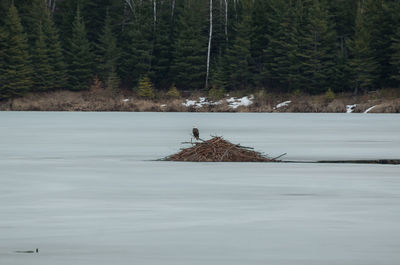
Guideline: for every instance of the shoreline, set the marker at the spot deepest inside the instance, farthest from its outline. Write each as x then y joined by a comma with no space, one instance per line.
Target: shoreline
384,101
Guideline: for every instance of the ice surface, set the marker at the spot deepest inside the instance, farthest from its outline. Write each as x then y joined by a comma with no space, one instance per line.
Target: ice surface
82,187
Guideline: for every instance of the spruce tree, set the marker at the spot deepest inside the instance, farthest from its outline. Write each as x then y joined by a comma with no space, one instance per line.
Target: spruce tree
381,27
284,50
3,58
319,66
135,56
189,65
4,5
145,88
262,30
40,25
362,60
34,18
136,46
267,32
107,55
238,63
43,71
162,48
113,80
17,72
395,60
79,56
56,58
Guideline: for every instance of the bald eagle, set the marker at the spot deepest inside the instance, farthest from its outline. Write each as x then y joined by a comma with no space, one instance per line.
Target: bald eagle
196,134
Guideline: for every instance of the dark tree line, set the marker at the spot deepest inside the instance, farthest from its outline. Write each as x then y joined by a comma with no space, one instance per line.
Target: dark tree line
285,45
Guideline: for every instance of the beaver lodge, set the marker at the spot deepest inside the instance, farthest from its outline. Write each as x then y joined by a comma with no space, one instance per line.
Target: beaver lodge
218,149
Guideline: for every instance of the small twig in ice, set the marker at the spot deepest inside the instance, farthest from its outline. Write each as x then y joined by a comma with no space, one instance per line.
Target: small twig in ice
279,156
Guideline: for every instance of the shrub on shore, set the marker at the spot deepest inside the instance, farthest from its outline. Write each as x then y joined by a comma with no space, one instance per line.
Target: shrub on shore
145,89
173,92
329,95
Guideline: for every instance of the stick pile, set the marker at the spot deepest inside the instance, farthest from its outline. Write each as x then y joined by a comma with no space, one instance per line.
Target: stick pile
219,150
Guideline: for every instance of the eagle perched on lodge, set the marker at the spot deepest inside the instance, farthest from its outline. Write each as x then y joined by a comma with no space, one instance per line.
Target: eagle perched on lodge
196,133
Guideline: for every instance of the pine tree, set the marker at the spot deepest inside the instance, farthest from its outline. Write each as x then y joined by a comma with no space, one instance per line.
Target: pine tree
261,26
173,92
79,56
162,48
4,5
380,26
267,19
107,55
32,19
362,61
40,25
94,12
238,61
395,60
17,72
136,46
56,59
319,65
145,88
113,80
65,17
189,65
3,58
43,71
284,49
135,56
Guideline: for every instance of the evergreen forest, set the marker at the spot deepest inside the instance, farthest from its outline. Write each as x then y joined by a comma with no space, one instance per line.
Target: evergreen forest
310,46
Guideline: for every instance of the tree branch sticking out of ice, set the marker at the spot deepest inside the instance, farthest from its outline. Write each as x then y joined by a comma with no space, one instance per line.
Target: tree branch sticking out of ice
283,104
350,108
369,109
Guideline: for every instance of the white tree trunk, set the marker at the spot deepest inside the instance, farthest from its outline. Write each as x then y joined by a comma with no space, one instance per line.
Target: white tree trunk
226,20
234,7
51,5
173,9
53,8
209,44
155,14
129,3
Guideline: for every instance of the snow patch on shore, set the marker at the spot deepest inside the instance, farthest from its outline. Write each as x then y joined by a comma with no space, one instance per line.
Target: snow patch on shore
283,104
232,102
369,109
350,108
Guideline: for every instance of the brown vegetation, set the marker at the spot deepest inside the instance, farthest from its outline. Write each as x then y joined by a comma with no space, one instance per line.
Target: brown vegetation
219,150
103,99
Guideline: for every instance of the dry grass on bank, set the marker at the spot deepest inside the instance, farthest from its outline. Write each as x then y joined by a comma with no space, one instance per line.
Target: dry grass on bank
385,101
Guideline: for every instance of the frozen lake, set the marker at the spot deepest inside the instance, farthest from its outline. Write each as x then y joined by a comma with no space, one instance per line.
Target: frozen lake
84,188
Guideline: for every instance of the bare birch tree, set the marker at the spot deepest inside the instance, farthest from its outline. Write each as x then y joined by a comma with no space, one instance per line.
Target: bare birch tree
51,5
209,44
154,14
173,9
226,20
